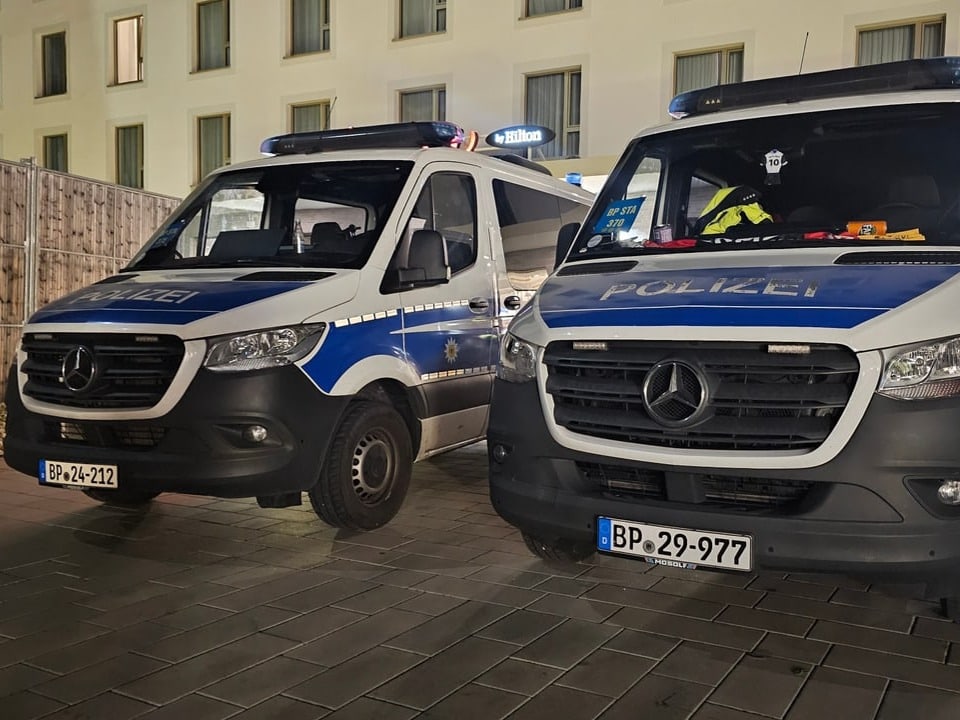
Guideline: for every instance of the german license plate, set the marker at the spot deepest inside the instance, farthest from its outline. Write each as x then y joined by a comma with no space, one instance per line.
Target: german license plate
69,474
675,547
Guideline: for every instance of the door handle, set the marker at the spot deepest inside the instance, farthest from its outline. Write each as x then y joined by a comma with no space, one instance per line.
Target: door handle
479,305
512,302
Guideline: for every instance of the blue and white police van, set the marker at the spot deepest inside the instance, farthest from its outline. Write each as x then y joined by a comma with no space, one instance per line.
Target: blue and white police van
749,357
313,322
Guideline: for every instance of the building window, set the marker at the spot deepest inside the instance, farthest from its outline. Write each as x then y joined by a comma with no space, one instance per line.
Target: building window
55,152
309,26
693,71
423,105
905,40
213,34
545,7
421,17
53,49
309,117
553,101
129,147
213,143
128,50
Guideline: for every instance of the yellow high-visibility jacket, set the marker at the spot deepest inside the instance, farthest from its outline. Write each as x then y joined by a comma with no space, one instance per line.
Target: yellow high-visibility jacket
729,207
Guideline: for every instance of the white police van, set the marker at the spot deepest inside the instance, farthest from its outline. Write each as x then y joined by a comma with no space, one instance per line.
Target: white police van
314,321
750,357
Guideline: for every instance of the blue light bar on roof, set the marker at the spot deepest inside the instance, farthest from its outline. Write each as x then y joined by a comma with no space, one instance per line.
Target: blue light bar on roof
930,74
394,135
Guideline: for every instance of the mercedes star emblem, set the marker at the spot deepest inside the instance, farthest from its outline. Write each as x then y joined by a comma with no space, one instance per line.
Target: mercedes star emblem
79,369
674,393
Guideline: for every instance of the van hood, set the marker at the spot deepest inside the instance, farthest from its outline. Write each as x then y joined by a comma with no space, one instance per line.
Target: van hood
188,298
831,290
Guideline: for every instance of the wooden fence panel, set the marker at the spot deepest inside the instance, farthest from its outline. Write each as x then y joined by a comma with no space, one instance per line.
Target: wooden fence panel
13,194
84,231
13,229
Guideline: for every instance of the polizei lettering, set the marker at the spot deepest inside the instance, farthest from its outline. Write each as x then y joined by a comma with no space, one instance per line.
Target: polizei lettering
786,287
159,295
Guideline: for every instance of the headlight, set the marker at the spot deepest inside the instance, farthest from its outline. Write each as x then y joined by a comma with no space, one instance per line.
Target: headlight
922,371
518,360
262,349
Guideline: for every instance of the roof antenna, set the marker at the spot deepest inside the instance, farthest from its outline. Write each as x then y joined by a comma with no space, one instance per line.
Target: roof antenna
804,52
330,111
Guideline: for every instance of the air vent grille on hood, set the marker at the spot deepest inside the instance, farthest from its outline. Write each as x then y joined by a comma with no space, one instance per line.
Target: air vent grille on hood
279,276
115,279
899,258
597,268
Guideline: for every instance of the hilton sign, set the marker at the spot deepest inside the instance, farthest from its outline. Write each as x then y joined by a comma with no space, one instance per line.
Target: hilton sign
520,136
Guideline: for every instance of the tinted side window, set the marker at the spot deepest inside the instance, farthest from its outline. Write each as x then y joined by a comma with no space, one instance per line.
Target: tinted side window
529,221
448,204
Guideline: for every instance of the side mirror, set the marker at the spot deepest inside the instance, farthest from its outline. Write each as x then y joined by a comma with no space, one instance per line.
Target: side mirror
565,237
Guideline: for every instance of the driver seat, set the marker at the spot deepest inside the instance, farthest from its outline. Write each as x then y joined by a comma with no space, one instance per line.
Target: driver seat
329,237
913,201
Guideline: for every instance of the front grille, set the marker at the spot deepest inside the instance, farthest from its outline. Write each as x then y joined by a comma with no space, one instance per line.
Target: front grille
755,399
131,371
638,482
743,494
127,436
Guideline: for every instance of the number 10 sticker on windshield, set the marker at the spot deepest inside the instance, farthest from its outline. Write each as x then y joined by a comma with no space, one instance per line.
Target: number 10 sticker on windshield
619,215
774,161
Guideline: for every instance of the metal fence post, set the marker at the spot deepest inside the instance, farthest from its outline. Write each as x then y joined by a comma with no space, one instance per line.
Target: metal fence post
31,247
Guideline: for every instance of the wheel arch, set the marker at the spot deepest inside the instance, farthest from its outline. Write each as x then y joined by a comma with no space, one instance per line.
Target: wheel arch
388,379
407,401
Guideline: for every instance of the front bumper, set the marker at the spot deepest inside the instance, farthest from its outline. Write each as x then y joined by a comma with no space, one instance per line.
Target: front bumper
197,447
871,511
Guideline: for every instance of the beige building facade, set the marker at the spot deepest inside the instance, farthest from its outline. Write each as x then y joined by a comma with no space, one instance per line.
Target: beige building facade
155,93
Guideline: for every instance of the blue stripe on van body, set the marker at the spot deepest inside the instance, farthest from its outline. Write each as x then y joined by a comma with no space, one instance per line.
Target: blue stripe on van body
834,296
347,345
425,349
157,303
445,339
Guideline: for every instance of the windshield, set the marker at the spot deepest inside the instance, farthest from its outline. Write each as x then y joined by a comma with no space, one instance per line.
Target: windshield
300,215
886,175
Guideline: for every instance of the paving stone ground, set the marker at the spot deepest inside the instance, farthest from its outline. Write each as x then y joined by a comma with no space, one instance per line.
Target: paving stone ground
203,609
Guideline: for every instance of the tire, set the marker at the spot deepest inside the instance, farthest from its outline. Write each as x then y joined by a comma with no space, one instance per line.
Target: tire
558,552
951,608
366,474
121,497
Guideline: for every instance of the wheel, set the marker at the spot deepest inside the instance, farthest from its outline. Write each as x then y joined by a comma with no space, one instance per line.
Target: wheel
562,552
951,608
367,472
121,498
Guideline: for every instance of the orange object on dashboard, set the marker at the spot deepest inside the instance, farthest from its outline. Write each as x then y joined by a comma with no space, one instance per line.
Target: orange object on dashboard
867,227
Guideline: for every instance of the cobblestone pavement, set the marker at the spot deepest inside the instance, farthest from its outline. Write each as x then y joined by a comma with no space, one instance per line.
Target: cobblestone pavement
204,609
